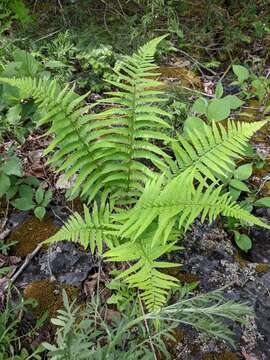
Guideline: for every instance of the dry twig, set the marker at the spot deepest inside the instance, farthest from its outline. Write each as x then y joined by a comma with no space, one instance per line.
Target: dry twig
27,260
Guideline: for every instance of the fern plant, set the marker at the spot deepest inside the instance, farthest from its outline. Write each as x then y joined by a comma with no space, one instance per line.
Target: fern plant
105,149
114,152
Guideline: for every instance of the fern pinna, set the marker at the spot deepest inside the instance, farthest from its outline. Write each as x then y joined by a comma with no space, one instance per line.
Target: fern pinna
113,153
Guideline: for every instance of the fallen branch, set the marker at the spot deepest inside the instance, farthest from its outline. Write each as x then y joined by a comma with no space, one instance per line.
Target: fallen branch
4,234
27,260
3,224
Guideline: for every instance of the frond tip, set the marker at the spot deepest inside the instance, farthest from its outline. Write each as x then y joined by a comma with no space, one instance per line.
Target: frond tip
154,285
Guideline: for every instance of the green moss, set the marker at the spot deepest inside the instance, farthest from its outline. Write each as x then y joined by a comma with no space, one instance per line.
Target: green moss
242,262
262,268
48,296
31,233
187,278
183,278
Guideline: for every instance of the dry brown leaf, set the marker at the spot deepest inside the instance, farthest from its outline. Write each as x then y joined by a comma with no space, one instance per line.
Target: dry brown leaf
89,287
110,313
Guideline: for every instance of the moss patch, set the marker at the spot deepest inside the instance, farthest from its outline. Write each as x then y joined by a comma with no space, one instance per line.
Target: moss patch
31,233
48,296
187,77
226,355
262,268
187,278
242,262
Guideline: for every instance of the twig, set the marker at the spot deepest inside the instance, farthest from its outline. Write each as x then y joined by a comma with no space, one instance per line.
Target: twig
4,234
226,72
197,91
27,260
197,62
5,217
45,37
98,286
121,8
57,216
62,9
104,19
267,178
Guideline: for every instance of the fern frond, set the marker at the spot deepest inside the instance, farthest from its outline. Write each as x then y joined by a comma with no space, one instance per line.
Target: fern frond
71,152
105,150
178,204
153,284
213,150
134,121
92,230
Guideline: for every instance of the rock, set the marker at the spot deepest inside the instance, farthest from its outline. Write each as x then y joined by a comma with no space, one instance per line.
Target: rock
209,254
63,261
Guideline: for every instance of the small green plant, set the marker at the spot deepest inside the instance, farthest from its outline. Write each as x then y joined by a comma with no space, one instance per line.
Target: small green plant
20,190
135,335
122,296
97,64
5,247
249,81
33,200
96,337
216,109
69,59
10,11
17,117
239,189
10,318
236,182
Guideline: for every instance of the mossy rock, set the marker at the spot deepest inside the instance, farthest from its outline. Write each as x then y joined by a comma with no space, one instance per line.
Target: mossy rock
48,296
31,233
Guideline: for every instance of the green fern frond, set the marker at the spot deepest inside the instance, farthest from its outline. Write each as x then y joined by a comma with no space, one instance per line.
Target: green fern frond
134,121
92,230
71,152
178,204
212,151
153,284
105,150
